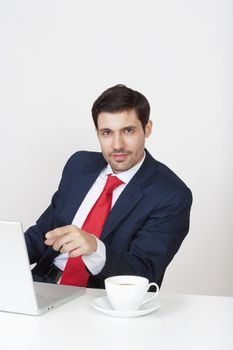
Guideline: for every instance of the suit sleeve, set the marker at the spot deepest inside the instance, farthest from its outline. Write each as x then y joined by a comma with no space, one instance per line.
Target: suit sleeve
49,220
34,236
154,245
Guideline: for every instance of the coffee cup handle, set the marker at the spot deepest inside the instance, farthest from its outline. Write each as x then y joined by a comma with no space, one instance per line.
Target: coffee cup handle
154,295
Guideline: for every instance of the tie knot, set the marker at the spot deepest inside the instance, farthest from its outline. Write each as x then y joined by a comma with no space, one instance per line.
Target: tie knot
112,183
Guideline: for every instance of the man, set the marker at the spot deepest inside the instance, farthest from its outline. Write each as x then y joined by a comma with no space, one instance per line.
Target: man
116,212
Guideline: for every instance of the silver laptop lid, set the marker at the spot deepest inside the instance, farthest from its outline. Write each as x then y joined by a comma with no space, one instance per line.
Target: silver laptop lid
16,284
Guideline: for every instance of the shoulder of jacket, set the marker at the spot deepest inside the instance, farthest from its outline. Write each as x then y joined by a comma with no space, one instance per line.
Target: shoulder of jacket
84,156
170,183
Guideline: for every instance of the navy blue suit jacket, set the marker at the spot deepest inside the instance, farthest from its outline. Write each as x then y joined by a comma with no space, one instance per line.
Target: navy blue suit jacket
144,229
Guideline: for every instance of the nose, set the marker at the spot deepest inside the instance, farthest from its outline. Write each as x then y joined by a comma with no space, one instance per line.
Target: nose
117,142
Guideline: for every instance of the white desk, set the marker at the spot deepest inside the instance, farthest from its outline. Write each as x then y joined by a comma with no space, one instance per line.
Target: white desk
184,322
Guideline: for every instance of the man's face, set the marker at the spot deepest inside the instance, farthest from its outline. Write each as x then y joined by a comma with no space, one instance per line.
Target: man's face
122,139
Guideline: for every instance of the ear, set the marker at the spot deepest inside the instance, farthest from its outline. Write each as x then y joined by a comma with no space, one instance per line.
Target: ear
148,128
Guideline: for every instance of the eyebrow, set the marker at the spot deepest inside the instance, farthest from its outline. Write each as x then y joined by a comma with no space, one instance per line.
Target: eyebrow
125,127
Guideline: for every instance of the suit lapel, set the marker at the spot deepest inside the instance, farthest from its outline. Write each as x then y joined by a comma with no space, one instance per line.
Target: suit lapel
128,199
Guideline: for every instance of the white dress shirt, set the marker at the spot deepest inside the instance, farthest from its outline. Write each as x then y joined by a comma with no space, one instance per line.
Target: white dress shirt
96,261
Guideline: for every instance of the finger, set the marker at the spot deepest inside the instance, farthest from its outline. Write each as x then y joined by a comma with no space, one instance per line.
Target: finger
49,242
68,247
70,242
69,238
80,245
76,252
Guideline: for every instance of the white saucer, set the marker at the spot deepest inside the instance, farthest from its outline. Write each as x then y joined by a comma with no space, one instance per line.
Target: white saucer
103,304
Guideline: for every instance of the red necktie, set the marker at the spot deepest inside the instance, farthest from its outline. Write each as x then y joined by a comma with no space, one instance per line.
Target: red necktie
75,273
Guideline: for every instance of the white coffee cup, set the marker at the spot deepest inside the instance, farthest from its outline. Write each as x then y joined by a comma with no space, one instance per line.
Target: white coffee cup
128,292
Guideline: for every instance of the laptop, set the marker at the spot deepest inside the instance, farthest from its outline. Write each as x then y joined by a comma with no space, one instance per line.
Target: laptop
18,292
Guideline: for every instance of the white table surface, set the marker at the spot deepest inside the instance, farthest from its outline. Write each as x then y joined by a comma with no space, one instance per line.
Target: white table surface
183,322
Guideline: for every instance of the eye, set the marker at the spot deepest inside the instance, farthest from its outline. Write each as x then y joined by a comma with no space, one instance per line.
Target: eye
128,130
106,132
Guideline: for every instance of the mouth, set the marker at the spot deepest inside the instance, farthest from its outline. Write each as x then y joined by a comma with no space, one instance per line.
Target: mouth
119,156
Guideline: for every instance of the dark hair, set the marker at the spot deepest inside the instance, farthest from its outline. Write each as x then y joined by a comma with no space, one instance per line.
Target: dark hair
120,98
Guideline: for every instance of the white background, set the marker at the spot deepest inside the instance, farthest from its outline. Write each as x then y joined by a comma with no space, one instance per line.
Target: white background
56,57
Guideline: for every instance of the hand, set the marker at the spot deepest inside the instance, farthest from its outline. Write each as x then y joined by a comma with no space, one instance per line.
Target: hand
72,240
